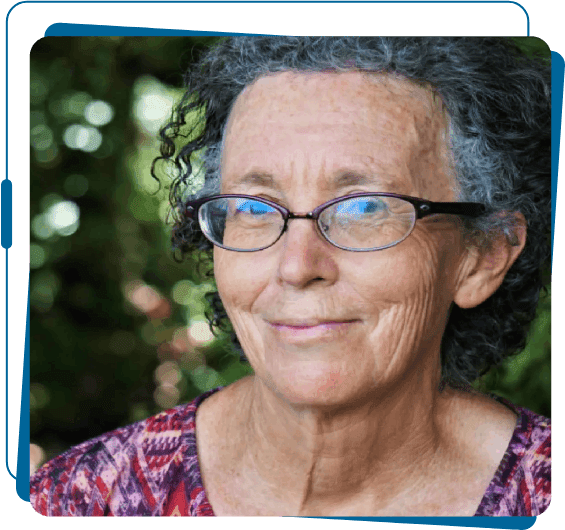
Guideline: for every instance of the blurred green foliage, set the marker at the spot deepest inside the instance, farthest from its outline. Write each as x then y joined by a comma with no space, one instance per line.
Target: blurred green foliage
117,325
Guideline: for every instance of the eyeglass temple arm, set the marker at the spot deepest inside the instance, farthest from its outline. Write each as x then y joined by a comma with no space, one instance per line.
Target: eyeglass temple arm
470,209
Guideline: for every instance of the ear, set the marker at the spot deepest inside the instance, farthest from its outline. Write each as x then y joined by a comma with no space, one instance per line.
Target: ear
485,266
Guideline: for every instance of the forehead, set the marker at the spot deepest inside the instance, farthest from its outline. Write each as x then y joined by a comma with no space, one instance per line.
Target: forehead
335,92
287,124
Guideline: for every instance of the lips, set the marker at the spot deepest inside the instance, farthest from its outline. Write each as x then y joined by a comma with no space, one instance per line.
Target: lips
308,330
309,323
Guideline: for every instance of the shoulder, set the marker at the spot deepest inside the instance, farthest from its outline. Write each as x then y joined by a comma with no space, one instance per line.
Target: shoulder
522,484
528,470
127,471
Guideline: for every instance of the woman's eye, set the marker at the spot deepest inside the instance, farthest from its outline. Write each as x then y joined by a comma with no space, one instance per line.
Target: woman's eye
371,206
361,207
253,208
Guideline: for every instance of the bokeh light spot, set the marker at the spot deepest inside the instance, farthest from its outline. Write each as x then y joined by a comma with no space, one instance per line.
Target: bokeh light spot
48,155
39,396
37,256
38,89
36,457
144,297
82,137
153,104
199,333
41,137
74,104
99,113
64,217
205,378
166,396
40,227
44,288
168,373
182,292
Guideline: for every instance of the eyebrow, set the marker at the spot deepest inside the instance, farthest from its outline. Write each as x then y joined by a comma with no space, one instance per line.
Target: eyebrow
343,179
257,179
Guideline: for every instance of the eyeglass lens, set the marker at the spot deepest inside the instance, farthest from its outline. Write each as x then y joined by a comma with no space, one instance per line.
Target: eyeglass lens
359,223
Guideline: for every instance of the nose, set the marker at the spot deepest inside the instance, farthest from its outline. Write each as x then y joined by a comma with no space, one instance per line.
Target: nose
305,256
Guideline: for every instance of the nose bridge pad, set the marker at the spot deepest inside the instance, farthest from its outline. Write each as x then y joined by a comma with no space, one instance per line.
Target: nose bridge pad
307,217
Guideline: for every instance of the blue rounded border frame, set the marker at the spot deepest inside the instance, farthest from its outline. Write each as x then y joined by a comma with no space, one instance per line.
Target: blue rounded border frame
6,198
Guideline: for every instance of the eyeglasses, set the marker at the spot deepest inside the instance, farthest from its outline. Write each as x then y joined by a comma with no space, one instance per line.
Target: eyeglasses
361,222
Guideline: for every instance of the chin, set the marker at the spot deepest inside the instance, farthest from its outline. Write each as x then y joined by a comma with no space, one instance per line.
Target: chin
317,386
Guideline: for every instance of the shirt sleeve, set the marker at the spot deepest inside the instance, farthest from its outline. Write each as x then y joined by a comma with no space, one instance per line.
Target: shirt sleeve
535,476
126,472
524,482
79,483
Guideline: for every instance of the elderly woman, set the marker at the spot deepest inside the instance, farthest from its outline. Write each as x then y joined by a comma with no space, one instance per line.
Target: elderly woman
378,211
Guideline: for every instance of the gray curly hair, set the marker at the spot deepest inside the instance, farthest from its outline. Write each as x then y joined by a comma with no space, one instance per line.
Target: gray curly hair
499,103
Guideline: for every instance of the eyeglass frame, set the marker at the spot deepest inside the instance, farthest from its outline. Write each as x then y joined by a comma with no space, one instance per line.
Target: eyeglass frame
422,207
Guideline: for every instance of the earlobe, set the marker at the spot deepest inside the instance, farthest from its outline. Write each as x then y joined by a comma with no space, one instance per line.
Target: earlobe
485,267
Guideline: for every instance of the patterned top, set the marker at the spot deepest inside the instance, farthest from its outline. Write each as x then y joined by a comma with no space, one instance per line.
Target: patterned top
151,468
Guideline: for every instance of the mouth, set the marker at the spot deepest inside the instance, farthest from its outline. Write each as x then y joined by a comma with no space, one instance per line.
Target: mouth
298,330
308,323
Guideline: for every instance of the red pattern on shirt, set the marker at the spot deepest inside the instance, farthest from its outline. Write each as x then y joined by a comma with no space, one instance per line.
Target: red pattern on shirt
151,468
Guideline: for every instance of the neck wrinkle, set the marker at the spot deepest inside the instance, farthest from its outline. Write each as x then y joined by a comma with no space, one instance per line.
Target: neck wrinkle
308,452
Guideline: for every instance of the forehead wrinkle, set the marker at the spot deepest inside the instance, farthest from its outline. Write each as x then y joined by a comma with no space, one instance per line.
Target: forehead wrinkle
430,159
410,135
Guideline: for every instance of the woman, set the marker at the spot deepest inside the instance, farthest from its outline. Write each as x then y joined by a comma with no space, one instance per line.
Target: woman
378,211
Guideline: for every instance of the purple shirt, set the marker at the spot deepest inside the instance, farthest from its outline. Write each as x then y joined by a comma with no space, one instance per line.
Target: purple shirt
151,468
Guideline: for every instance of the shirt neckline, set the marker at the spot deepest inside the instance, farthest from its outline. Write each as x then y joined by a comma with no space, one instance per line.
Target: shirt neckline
483,509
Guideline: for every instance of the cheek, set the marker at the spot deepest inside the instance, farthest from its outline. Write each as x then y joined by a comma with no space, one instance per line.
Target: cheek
409,308
403,272
409,292
240,279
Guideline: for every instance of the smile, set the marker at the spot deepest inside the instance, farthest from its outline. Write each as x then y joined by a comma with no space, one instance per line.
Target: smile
296,331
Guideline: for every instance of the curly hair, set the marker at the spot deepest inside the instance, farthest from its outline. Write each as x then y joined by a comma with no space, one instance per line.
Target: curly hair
499,102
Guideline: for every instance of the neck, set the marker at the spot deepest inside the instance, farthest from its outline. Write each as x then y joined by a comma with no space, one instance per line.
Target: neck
321,456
